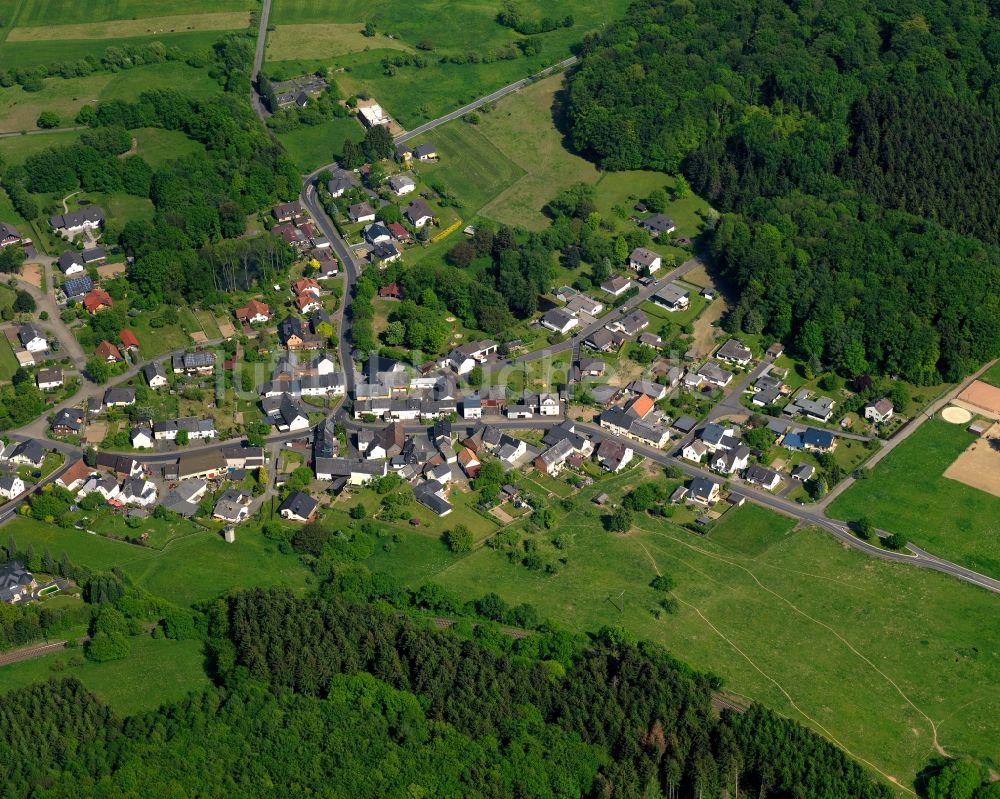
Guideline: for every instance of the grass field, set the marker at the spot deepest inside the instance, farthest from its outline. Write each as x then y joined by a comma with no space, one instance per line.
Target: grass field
157,671
471,166
787,617
8,361
19,109
316,145
126,28
190,569
908,493
157,146
323,41
32,54
62,12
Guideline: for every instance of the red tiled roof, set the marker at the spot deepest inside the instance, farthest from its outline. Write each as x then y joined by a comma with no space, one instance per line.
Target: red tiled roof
95,299
108,350
128,339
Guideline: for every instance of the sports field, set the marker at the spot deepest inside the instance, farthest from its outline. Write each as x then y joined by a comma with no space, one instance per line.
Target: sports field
909,493
878,657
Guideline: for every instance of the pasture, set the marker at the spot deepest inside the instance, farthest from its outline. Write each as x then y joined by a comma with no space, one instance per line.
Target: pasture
323,41
875,656
40,53
157,671
908,493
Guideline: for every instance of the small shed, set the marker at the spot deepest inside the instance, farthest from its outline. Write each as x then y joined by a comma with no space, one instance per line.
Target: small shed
979,427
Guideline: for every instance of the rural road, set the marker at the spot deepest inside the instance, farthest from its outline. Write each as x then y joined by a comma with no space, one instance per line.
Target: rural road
489,98
12,133
258,60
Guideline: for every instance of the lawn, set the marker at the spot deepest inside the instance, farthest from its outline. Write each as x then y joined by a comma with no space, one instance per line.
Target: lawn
908,493
324,40
792,619
992,375
157,671
8,361
19,109
189,570
313,146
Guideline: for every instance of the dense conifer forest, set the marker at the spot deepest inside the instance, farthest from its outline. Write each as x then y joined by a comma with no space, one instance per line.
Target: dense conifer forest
323,697
853,145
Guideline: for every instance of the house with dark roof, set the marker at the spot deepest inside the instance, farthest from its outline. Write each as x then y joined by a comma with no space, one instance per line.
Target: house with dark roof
433,496
672,297
418,213
616,285
425,152
285,212
68,422
818,440
631,325
558,321
71,263
28,453
641,258
9,235
155,374
16,583
298,507
734,351
879,411
73,222
119,397
658,224
76,288
32,339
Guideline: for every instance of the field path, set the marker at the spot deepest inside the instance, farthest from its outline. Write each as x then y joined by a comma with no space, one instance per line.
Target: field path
771,679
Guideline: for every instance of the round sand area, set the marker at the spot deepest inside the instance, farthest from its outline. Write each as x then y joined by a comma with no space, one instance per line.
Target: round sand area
956,415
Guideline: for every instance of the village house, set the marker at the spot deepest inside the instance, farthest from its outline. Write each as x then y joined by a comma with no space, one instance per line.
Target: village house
194,427
96,300
694,451
119,397
28,453
254,313
760,476
418,213
49,379
17,584
616,285
361,212
140,438
156,376
199,362
631,325
9,235
68,422
286,212
820,408
75,476
107,351
730,461
356,471
640,258
733,351
704,491
425,152
32,339
128,340
658,224
672,297
73,222
401,185
558,321
71,263
11,486
880,411
613,456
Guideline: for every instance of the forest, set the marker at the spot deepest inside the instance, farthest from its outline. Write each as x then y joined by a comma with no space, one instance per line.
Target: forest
442,715
881,117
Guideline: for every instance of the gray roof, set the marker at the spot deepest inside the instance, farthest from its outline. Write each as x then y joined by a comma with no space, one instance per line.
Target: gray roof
75,218
78,285
299,503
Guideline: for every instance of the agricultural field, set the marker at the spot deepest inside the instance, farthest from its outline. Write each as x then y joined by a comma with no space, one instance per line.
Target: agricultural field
41,32
191,569
908,493
785,616
157,671
414,95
